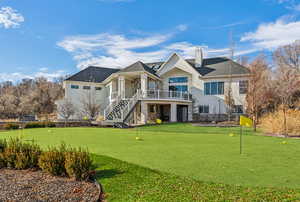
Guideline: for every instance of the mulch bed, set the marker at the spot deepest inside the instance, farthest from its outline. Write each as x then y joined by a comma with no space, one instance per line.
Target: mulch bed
26,185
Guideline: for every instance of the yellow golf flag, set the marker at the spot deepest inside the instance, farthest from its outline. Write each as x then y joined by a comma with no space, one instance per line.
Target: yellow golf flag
244,121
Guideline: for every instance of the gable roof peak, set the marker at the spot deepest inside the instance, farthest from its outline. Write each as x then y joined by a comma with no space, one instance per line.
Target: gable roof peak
137,67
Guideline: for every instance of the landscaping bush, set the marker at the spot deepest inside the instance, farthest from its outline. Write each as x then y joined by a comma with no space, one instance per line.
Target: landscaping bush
2,159
78,163
20,155
28,157
3,145
11,126
274,122
40,125
59,161
35,125
53,160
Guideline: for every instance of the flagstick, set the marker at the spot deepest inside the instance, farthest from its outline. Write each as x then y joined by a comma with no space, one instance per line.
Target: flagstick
241,134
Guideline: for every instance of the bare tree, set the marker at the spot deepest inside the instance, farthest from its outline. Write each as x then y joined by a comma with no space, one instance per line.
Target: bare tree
288,56
228,99
90,107
44,96
258,87
66,109
287,84
28,97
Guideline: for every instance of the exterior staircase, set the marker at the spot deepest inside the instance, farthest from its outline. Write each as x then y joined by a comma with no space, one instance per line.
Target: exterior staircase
118,112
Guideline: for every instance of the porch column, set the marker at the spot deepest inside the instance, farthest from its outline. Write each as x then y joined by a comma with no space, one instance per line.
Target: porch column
144,112
109,86
121,86
190,112
173,112
144,83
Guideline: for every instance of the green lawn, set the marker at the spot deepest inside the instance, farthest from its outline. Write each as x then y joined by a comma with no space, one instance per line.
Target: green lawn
184,160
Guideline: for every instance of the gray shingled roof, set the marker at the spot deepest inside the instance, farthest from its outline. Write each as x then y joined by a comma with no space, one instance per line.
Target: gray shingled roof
138,66
219,66
93,74
155,65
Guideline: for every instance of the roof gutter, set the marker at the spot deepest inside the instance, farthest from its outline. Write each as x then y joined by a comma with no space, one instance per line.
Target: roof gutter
225,76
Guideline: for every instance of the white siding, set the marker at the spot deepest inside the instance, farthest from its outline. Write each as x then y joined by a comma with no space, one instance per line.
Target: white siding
78,96
176,66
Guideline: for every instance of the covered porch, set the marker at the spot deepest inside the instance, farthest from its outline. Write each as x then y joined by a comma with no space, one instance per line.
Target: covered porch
148,111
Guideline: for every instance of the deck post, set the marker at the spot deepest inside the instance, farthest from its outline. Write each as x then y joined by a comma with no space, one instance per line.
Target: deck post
144,84
144,112
121,87
173,112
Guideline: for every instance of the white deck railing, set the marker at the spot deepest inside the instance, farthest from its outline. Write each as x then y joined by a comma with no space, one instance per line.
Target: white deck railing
131,104
166,95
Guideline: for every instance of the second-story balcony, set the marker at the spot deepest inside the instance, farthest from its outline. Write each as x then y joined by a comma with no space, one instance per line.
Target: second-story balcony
166,95
156,95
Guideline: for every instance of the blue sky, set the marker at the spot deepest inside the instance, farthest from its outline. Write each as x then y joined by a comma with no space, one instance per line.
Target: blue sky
53,38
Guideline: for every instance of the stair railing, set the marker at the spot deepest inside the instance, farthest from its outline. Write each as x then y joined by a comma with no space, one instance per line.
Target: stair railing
111,106
132,102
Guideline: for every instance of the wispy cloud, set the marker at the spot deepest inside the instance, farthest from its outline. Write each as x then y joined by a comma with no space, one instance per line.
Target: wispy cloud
116,50
10,18
182,27
290,4
111,49
17,76
273,35
225,25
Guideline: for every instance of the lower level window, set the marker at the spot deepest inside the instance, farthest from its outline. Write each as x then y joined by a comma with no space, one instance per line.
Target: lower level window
98,88
74,86
152,108
181,88
204,109
238,109
86,87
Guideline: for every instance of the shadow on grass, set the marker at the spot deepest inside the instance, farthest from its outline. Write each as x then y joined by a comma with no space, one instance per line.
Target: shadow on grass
105,167
108,173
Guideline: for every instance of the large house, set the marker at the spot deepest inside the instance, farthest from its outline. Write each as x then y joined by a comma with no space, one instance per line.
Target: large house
176,90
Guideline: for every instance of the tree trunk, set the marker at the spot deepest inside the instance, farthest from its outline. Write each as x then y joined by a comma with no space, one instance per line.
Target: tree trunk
284,121
254,121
